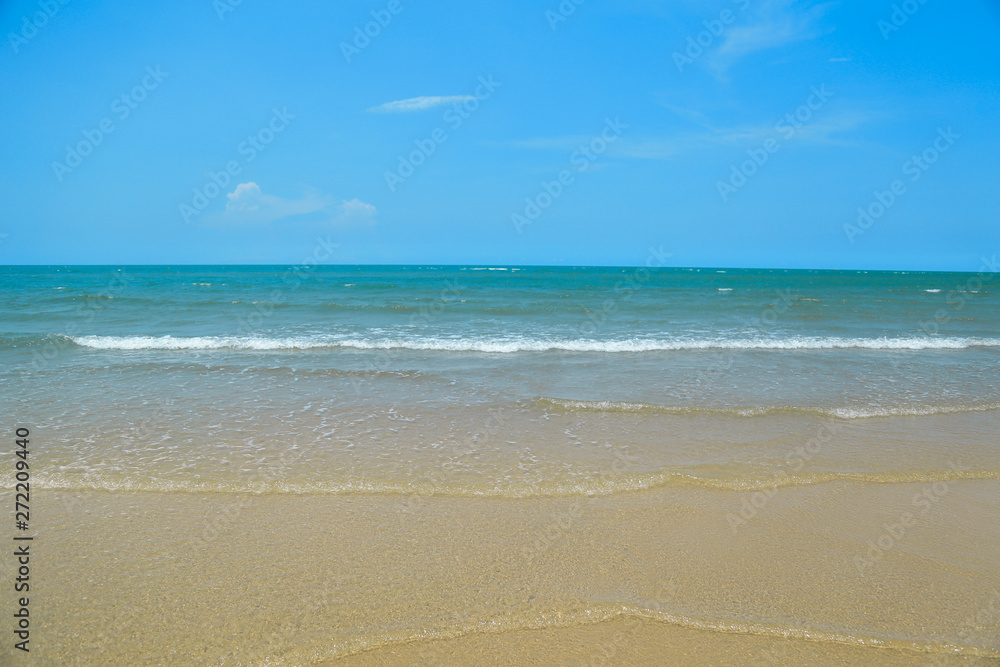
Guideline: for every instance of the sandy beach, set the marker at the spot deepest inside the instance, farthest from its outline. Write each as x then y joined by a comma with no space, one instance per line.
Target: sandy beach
651,577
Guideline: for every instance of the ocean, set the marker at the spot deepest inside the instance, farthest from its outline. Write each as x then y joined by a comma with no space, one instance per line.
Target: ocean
711,401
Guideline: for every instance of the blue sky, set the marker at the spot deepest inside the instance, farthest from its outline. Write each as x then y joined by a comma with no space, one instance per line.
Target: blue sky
730,133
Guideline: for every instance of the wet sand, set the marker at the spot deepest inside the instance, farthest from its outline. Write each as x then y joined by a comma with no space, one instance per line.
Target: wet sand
830,573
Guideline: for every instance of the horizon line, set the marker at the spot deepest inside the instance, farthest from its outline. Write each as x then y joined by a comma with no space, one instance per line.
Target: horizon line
487,265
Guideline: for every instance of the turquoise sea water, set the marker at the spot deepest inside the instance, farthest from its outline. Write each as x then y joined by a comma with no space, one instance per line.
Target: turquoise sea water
136,372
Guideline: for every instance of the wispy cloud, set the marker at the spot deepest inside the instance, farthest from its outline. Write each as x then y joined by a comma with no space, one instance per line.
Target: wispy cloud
622,147
420,103
775,24
827,131
567,142
248,205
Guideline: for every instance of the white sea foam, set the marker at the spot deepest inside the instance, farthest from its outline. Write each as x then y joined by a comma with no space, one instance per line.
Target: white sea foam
195,343
755,411
524,344
494,488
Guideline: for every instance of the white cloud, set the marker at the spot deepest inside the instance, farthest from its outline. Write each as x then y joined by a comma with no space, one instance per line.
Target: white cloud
246,197
353,212
357,209
248,205
420,103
